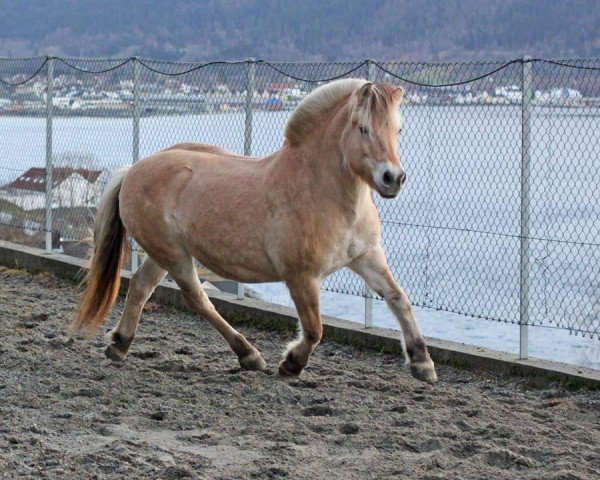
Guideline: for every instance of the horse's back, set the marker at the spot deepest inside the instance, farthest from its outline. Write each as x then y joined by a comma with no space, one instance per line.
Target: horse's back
197,171
205,148
201,197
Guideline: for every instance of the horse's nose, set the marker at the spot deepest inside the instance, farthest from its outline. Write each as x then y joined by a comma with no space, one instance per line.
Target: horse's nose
391,179
402,177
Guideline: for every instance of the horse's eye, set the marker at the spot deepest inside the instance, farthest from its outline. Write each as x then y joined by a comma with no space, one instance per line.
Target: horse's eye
363,130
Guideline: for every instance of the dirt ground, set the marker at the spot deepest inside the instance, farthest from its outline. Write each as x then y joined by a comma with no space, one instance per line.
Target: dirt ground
180,408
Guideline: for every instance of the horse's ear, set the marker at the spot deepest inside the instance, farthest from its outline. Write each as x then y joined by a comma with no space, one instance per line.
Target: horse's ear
365,93
399,93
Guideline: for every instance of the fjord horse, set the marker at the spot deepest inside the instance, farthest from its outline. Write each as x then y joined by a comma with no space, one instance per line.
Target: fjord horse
296,216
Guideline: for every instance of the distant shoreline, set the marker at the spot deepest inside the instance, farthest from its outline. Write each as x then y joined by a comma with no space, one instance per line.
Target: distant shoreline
573,110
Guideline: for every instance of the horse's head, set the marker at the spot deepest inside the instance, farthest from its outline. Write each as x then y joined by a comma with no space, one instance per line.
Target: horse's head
369,139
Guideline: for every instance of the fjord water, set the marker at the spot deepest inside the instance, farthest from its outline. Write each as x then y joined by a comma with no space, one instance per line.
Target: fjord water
452,234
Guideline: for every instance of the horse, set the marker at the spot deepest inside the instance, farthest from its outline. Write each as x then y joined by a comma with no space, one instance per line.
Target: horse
295,216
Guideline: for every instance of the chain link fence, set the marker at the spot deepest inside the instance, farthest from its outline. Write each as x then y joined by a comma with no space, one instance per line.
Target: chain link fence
499,219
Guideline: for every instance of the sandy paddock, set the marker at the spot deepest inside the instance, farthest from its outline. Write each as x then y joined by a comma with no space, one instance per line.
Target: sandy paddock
180,407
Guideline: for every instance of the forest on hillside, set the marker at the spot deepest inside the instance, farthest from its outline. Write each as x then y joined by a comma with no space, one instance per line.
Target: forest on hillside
301,30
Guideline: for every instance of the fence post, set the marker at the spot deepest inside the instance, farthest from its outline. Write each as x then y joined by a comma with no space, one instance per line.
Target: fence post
49,96
367,290
370,70
525,207
250,87
135,144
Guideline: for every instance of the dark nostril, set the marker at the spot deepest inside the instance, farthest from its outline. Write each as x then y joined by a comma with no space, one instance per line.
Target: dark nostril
402,178
387,177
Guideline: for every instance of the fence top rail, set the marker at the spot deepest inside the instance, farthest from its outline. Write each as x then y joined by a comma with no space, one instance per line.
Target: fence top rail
278,67
575,63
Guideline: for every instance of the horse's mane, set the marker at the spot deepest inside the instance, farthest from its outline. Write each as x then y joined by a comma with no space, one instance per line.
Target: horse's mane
315,103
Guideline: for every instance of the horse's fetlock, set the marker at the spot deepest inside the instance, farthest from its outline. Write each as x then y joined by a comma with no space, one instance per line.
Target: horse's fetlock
417,351
121,341
240,346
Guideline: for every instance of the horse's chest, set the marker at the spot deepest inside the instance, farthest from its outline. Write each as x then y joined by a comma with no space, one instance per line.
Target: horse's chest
347,249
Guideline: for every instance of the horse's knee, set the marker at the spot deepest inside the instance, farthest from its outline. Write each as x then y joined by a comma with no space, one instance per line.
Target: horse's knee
395,296
399,302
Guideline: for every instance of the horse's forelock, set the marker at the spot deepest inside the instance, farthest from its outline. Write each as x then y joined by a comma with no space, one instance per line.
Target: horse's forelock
386,96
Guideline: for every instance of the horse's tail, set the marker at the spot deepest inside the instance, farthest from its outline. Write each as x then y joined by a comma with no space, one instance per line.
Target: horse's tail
104,276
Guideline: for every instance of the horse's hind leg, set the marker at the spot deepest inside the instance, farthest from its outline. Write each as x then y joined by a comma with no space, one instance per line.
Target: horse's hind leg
142,284
305,293
186,277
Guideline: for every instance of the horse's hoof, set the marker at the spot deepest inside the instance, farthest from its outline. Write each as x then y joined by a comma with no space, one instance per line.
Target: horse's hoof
424,371
253,361
113,353
284,372
289,369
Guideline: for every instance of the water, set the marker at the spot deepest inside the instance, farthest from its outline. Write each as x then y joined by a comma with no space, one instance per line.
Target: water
464,167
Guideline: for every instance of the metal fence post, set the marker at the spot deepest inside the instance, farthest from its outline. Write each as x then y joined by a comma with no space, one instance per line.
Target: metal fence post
250,87
367,290
49,96
135,144
525,207
370,70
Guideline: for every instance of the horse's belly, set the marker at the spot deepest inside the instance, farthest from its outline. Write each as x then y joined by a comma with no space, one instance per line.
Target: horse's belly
234,254
237,269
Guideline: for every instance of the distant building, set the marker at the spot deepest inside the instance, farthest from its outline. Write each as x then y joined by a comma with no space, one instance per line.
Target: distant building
70,188
511,93
558,95
274,103
280,86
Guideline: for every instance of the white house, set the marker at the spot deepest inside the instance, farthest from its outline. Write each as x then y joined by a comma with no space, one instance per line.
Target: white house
70,188
558,95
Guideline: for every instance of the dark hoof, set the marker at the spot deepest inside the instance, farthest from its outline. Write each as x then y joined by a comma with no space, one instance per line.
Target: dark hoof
113,353
289,368
424,371
253,361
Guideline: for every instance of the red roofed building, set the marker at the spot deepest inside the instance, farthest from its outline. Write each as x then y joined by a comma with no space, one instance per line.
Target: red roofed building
280,86
70,188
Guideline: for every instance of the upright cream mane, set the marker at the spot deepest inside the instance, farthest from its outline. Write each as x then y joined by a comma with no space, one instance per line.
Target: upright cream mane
314,104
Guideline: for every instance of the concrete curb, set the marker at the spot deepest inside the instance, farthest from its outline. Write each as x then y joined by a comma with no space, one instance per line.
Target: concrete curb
267,315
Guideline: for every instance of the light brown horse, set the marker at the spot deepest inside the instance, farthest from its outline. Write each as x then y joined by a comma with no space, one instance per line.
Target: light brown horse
295,216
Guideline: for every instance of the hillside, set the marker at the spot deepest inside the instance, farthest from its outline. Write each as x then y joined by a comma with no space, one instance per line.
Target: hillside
305,30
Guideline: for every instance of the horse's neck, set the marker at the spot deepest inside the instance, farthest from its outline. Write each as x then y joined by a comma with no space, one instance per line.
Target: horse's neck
318,161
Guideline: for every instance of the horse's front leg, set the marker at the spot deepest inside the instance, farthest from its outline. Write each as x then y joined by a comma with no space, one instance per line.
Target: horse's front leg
373,267
305,292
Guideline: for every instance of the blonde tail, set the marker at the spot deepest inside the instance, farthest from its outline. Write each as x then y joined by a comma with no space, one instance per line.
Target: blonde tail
104,276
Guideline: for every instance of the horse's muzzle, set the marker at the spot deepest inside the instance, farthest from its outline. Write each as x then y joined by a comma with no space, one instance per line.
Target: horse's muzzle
390,183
